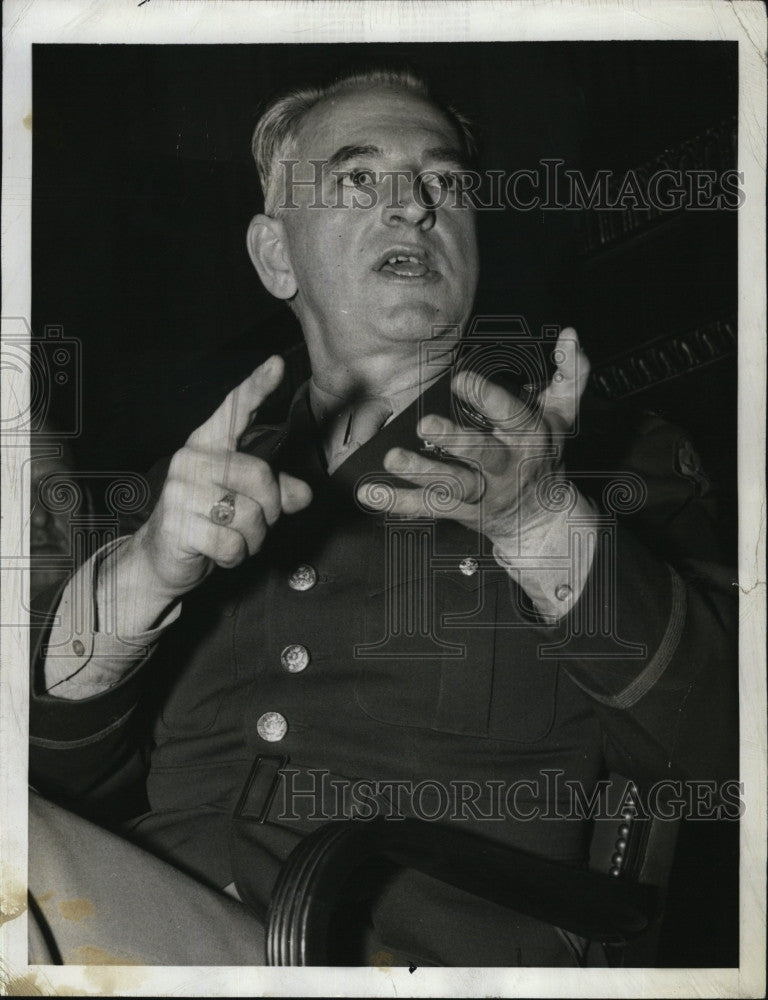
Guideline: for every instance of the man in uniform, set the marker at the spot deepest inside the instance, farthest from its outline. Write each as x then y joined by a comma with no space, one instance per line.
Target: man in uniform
399,593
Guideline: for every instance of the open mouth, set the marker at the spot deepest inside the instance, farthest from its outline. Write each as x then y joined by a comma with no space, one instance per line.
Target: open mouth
405,263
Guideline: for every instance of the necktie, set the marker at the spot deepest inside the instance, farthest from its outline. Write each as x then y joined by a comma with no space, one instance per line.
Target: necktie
367,418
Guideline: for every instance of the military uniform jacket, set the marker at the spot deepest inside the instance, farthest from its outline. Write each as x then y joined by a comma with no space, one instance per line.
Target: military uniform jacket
360,665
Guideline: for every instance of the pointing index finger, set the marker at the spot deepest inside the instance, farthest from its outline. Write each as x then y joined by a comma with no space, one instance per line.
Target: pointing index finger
227,423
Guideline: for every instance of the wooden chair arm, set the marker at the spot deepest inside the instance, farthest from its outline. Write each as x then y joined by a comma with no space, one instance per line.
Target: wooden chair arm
310,886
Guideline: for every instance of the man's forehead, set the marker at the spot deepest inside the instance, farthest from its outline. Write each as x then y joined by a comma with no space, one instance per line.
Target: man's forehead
384,117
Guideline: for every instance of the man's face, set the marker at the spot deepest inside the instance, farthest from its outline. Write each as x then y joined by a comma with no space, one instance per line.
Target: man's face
49,531
384,262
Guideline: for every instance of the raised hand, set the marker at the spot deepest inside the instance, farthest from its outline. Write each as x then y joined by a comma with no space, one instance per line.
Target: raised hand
181,542
493,485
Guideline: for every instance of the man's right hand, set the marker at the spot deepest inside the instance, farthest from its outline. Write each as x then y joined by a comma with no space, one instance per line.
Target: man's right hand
180,544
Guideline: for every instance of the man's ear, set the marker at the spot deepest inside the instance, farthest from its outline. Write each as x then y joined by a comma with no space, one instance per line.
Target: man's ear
268,250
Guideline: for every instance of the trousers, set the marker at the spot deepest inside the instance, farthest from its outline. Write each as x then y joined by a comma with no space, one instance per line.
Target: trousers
96,899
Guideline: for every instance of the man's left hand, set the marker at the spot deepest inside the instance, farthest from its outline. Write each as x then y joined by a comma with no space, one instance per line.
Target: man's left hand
492,488
493,485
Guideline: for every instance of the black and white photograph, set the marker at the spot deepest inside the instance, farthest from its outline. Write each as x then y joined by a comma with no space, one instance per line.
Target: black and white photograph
383,548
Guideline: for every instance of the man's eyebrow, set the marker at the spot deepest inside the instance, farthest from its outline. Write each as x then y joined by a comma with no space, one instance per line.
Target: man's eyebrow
450,154
346,153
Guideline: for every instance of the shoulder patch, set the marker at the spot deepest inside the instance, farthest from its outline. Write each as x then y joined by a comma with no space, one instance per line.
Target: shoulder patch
688,465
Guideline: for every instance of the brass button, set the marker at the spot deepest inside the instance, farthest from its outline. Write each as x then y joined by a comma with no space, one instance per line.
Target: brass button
304,577
469,566
563,592
272,727
78,648
295,658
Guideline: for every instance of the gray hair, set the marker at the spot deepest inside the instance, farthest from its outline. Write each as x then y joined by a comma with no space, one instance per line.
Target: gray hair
274,138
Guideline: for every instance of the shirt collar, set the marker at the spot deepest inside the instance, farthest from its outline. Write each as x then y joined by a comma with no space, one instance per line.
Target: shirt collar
331,411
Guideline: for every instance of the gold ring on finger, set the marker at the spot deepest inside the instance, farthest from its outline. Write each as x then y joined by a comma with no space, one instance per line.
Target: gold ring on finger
223,512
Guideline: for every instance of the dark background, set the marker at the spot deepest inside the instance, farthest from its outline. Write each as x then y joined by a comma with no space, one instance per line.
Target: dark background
143,187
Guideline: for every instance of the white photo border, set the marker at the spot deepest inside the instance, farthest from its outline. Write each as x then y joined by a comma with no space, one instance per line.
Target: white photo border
26,22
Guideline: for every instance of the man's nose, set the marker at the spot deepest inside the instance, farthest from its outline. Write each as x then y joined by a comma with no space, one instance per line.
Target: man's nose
40,514
407,202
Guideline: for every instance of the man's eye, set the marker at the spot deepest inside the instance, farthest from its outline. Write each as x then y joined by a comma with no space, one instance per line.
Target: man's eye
443,181
358,178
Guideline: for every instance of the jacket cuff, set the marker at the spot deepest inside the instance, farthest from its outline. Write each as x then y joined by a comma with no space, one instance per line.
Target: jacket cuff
623,633
550,570
84,682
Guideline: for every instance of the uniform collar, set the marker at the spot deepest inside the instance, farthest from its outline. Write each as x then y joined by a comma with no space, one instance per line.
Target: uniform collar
296,446
332,412
400,432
